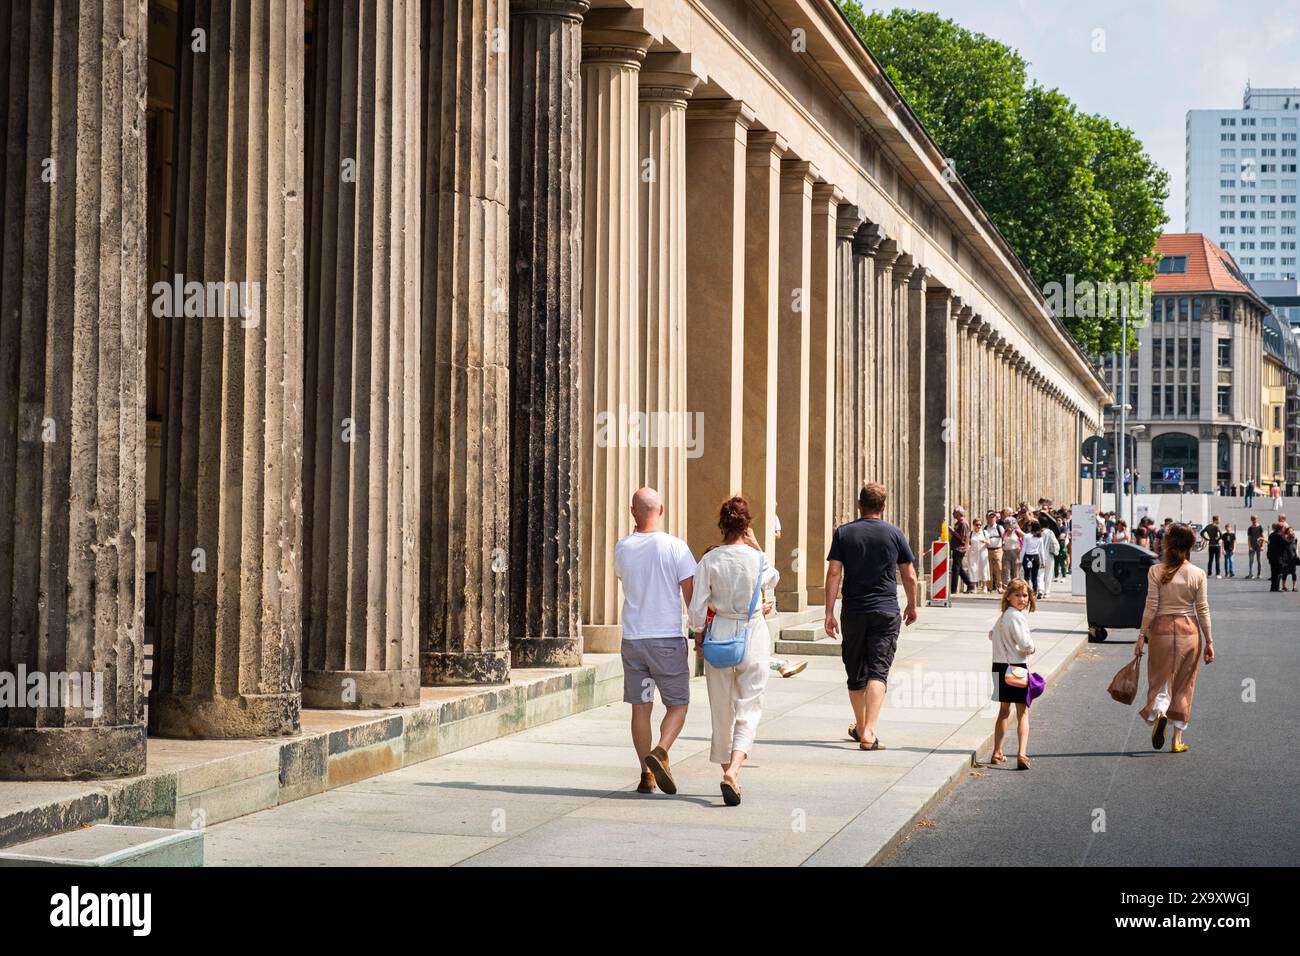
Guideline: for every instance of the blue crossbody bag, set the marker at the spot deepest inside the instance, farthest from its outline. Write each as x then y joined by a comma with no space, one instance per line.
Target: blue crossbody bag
731,652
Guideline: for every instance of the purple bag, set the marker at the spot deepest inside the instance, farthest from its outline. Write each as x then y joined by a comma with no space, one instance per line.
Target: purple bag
1035,688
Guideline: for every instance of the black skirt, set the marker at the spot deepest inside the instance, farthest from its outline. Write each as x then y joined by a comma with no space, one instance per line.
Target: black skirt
1006,694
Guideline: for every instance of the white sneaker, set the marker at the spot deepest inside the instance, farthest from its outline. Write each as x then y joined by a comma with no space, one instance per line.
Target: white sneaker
790,670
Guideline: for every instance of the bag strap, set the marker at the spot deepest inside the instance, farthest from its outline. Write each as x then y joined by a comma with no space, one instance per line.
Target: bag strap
758,586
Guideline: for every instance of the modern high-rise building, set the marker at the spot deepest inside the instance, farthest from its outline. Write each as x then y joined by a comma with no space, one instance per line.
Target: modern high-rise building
1242,188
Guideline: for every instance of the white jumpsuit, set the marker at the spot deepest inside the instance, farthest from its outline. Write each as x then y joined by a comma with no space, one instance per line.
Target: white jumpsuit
725,578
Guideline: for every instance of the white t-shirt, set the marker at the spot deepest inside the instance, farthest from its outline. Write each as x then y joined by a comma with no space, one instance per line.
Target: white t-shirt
652,567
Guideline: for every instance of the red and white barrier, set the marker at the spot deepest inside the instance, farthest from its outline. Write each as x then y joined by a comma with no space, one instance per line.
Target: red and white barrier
939,574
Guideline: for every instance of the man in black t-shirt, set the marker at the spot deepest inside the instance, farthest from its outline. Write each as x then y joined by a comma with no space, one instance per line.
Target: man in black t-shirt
1254,549
1212,533
869,555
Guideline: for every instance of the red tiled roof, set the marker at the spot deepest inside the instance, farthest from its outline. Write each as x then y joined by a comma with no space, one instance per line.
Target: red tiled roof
1209,268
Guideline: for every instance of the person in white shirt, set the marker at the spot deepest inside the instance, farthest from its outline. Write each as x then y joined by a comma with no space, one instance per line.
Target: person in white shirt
979,556
1046,567
993,540
1031,556
726,580
1012,647
657,571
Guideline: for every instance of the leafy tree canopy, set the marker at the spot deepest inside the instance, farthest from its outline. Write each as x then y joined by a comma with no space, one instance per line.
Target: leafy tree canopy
1074,194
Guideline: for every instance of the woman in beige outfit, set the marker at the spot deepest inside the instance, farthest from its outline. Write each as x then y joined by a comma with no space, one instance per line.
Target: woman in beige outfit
1175,622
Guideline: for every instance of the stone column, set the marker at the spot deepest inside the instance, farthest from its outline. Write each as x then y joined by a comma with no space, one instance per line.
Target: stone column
762,342
72,388
611,313
464,436
848,370
545,331
883,367
228,660
666,85
866,246
361,355
937,458
961,413
716,132
822,350
901,489
917,388
974,416
793,381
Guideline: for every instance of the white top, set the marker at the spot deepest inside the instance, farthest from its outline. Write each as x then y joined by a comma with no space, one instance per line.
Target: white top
1032,545
1011,539
725,578
978,540
652,566
1012,642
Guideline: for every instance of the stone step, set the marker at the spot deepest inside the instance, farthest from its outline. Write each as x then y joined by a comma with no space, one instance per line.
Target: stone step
825,647
803,632
108,845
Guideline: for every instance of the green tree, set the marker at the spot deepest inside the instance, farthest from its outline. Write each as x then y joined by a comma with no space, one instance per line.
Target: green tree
1073,193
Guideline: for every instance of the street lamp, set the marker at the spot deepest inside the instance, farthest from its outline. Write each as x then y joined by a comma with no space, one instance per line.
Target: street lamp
1134,431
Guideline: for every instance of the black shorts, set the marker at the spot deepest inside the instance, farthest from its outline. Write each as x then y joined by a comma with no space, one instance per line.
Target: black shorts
870,641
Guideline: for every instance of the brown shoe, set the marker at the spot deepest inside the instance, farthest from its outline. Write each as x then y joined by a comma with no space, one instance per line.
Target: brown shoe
657,761
647,784
790,670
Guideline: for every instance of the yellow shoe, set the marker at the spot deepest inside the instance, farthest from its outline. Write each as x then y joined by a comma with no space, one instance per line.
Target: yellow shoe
1158,732
1179,748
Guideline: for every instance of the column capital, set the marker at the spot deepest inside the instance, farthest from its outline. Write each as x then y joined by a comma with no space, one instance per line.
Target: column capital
903,267
668,78
615,36
868,239
726,115
847,221
964,315
763,146
984,332
567,9
887,254
797,174
916,282
828,193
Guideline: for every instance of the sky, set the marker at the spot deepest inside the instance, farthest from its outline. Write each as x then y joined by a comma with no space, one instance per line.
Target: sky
1160,58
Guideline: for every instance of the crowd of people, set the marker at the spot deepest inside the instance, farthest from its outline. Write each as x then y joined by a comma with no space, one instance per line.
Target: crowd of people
989,553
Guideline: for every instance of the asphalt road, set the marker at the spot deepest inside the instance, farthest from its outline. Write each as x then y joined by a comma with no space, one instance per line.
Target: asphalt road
1098,794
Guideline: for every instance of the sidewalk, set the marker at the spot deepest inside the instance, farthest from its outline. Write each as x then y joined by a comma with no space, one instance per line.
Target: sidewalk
562,793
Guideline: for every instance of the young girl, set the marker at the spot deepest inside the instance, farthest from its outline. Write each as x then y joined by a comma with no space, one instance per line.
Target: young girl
1031,556
1012,647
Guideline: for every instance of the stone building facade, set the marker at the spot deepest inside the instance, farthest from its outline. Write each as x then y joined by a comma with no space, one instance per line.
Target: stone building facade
335,337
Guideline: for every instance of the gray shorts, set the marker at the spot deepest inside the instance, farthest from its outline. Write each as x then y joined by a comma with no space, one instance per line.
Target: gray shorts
656,662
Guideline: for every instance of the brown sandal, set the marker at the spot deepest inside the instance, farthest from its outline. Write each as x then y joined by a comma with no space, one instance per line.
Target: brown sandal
1022,762
875,745
997,758
730,794
853,733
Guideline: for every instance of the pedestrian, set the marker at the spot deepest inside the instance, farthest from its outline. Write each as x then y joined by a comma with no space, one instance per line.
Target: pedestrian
1141,536
1031,556
1212,535
1013,644
869,555
1050,550
1276,492
1012,539
1120,534
730,579
960,550
1278,550
657,571
1229,543
1061,570
1254,549
979,556
1290,558
1250,494
1175,623
993,548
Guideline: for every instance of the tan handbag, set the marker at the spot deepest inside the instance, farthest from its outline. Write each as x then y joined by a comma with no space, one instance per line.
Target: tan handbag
1124,685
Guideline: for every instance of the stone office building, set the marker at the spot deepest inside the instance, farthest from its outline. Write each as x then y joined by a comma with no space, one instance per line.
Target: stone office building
345,331
1196,378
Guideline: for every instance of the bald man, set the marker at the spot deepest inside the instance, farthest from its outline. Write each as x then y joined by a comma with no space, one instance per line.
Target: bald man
657,571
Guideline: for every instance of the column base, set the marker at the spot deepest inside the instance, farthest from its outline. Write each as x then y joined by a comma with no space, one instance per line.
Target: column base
72,753
546,652
438,668
369,690
816,595
602,638
792,600
248,715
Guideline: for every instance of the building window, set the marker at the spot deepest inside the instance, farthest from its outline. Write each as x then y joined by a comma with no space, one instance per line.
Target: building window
1225,353
1225,400
1170,265
1277,418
